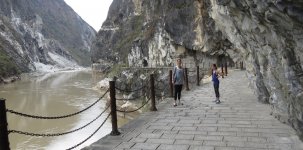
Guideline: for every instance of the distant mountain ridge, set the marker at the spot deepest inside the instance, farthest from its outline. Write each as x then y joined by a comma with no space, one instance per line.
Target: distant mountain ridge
42,34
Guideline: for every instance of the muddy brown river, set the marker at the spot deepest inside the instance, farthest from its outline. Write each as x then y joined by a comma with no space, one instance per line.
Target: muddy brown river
55,94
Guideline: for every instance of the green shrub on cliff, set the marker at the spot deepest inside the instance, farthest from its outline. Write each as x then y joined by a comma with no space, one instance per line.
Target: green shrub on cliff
7,66
132,31
116,70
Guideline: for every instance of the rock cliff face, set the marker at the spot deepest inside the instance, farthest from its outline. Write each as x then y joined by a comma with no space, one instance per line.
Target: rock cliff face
154,31
42,33
266,34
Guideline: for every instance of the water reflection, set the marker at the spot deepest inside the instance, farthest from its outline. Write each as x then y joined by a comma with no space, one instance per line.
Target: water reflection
52,95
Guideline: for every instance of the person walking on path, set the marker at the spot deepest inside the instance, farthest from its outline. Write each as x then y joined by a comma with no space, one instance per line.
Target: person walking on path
216,83
178,79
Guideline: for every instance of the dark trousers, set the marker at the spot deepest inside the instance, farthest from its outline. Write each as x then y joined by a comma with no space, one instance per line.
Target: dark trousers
216,87
178,89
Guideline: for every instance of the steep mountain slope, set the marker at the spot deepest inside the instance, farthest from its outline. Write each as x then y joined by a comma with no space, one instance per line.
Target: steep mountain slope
35,34
265,34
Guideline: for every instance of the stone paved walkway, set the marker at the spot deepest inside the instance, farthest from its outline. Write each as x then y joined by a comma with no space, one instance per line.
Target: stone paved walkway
238,123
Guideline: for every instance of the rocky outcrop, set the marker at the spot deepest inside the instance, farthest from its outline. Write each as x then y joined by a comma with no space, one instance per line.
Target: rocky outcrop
154,32
39,34
266,35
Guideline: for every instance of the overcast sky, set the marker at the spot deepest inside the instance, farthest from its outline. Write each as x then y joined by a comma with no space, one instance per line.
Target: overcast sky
94,12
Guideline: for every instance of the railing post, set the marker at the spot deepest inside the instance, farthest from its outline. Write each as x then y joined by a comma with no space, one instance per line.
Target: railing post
186,79
4,142
171,89
236,65
226,69
112,94
222,71
198,77
241,65
152,93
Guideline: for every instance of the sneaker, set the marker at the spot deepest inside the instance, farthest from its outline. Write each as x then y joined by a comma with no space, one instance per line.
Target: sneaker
218,102
175,105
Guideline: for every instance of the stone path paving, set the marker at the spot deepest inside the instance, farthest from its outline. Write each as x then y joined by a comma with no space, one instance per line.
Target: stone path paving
238,123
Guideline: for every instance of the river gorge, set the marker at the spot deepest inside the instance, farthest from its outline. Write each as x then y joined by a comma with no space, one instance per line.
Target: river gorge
55,94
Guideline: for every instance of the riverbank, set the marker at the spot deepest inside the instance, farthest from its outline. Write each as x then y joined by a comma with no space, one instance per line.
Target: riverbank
54,94
13,78
9,79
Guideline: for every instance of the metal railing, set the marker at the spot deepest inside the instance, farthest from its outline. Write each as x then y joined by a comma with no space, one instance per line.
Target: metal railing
153,93
4,131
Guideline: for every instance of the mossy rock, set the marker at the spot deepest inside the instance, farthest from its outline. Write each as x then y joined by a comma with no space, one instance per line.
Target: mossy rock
116,70
7,66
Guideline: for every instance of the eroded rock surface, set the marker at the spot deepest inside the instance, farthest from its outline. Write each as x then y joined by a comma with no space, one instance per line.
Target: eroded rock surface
35,35
265,34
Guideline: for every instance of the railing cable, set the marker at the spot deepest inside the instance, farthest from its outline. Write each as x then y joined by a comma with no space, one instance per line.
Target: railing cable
91,134
57,134
56,117
124,111
129,91
127,99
